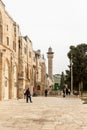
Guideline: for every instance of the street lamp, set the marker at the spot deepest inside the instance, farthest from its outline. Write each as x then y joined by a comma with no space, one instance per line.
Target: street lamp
71,76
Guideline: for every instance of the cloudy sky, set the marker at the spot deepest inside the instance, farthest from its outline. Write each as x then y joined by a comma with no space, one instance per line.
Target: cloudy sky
55,23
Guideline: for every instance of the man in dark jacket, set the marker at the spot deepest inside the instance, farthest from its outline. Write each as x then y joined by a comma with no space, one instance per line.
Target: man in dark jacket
46,92
28,95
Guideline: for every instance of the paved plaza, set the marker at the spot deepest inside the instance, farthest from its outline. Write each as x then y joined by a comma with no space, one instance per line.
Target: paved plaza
45,113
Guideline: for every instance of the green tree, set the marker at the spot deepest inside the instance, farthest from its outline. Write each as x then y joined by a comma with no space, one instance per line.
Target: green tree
62,80
79,65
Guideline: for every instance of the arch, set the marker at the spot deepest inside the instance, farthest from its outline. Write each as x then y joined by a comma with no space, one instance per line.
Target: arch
38,87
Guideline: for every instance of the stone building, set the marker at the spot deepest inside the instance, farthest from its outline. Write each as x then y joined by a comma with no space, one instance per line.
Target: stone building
43,74
9,31
20,65
25,73
39,73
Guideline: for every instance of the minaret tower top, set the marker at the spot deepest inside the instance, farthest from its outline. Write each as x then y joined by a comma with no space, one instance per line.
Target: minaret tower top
50,62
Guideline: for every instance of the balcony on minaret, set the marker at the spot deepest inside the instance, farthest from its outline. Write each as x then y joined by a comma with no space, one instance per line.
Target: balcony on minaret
50,53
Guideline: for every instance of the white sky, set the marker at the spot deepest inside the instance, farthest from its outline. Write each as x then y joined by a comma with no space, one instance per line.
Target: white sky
55,23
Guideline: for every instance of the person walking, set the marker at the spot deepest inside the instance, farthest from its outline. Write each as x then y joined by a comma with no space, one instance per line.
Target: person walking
46,91
28,96
64,92
67,91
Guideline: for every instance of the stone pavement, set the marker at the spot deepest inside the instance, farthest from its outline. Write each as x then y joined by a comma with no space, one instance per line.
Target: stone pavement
45,113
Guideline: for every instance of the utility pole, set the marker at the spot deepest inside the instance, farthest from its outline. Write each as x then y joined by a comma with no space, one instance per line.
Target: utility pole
71,76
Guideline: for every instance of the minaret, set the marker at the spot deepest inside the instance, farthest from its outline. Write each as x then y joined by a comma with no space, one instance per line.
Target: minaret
50,62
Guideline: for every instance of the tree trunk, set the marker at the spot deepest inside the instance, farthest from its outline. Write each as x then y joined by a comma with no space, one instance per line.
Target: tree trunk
81,88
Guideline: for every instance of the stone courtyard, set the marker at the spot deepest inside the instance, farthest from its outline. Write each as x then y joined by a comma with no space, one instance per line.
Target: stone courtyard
45,113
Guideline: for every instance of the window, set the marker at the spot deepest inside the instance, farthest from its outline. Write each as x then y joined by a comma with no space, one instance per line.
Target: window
7,40
7,27
38,87
14,46
14,29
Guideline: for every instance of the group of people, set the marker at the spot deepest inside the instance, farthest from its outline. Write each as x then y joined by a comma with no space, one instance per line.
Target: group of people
27,94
